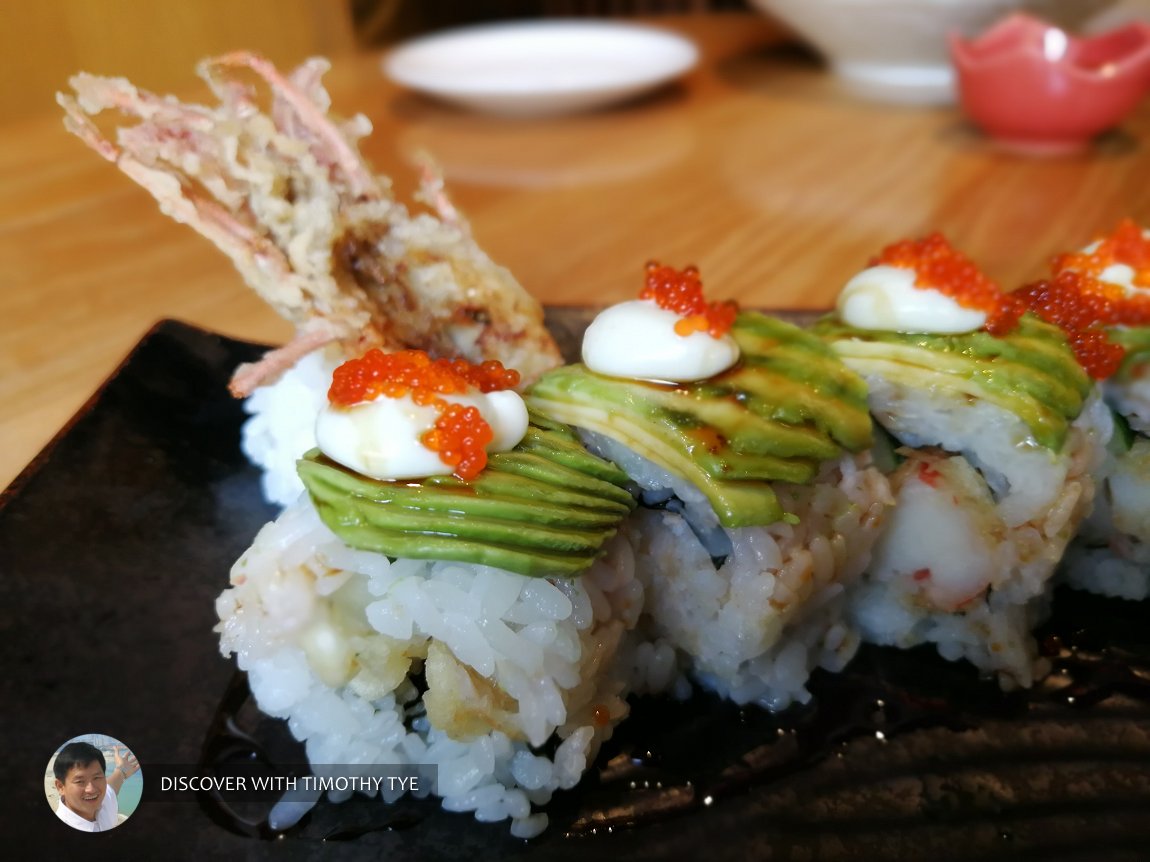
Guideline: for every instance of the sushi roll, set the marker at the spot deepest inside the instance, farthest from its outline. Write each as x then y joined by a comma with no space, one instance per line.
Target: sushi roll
996,435
1109,283
747,441
450,593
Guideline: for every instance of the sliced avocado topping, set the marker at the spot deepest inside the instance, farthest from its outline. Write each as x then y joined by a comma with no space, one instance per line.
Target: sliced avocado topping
1122,439
787,406
885,451
544,508
1031,371
1136,341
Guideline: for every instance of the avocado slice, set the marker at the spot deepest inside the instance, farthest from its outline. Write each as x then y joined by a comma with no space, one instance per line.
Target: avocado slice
543,509
1136,341
1030,371
1122,440
788,405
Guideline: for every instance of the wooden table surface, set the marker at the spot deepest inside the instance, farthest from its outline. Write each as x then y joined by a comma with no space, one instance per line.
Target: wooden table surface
758,168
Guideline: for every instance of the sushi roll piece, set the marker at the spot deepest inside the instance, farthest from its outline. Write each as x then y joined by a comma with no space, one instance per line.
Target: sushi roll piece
1106,289
996,434
748,443
450,593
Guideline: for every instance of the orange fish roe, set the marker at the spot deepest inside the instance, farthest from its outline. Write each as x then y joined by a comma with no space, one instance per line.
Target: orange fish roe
1081,306
1125,245
681,291
413,372
460,434
1084,306
937,264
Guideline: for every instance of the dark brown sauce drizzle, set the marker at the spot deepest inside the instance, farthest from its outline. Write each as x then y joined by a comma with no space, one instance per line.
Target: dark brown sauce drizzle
239,732
225,743
655,769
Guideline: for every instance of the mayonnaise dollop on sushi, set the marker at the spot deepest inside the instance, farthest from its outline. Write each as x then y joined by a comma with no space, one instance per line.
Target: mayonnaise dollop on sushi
637,339
885,297
1119,274
381,438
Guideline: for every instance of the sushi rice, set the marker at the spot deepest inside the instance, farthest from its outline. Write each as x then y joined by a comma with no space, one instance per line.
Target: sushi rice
1111,555
281,427
465,668
754,627
967,558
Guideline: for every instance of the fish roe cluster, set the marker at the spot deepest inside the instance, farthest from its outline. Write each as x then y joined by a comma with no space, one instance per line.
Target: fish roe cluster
460,435
1078,300
413,372
681,292
937,264
1127,244
1079,305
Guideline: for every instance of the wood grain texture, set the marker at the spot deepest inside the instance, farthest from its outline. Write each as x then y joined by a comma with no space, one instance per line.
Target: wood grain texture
756,167
156,44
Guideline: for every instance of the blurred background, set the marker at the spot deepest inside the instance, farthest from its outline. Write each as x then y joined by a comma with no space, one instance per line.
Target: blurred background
158,43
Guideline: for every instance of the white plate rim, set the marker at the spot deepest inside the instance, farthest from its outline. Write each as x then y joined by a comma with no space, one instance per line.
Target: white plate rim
669,55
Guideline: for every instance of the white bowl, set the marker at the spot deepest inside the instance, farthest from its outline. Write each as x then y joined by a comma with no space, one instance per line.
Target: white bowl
896,50
540,68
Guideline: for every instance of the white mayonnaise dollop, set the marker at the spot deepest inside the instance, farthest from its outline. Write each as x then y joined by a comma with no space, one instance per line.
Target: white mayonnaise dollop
885,297
380,438
637,339
1119,274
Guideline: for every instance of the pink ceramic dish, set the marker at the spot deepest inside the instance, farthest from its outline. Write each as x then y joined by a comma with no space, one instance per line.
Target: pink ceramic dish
1036,89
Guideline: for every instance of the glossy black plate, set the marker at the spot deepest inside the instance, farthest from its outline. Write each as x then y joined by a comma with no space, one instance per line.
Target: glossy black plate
117,539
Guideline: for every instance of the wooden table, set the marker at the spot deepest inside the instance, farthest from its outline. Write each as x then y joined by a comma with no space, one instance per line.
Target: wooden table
758,168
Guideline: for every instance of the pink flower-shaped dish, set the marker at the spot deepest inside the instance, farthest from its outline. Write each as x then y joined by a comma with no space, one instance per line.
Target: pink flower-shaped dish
1034,88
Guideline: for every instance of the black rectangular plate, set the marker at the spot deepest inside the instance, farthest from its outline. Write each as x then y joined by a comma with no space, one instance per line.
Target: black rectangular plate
116,540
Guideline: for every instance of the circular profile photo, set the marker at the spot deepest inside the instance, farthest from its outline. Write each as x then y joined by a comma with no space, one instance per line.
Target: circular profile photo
93,782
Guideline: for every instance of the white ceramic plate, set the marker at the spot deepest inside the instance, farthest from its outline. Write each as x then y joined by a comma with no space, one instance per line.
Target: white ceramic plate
532,69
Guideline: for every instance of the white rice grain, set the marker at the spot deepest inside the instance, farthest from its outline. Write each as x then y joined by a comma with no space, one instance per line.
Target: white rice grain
311,635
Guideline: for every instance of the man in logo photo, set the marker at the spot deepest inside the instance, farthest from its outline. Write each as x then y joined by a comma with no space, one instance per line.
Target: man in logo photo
87,793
